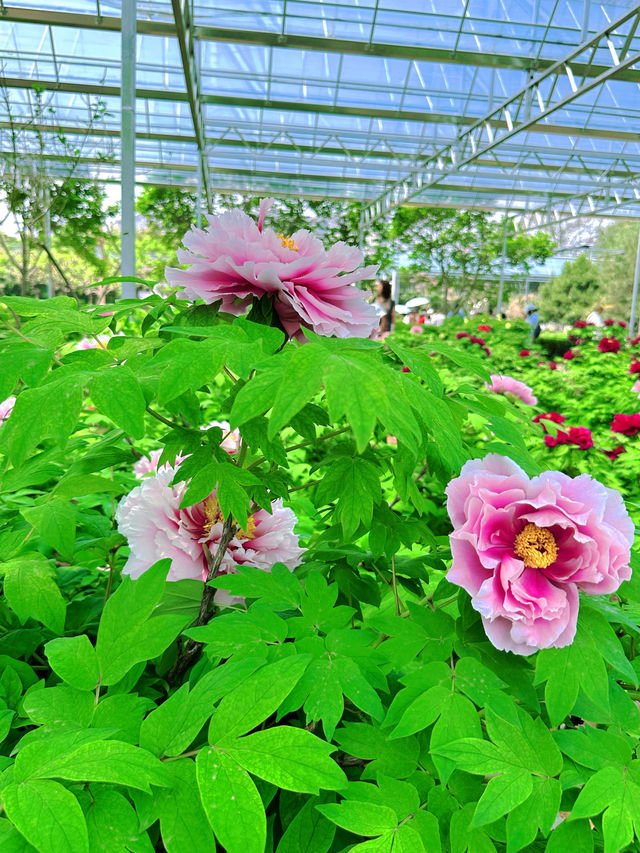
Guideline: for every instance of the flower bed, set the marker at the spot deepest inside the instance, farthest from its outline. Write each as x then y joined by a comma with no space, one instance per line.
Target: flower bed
271,586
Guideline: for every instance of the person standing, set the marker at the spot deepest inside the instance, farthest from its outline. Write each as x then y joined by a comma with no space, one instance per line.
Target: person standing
533,319
385,305
595,318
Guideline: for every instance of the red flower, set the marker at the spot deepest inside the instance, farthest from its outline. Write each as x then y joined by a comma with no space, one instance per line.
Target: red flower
626,424
480,341
634,341
405,369
634,367
622,325
580,324
609,344
580,436
484,328
556,417
574,340
613,454
524,353
569,354
462,335
487,350
553,365
609,322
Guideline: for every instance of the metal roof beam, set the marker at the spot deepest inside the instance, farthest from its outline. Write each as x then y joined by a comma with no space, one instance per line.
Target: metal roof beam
354,47
184,32
311,107
518,112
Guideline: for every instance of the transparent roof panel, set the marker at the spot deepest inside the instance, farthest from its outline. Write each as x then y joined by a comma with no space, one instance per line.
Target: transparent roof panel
340,98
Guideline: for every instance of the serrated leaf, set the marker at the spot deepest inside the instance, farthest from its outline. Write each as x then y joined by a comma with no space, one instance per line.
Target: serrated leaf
300,382
32,592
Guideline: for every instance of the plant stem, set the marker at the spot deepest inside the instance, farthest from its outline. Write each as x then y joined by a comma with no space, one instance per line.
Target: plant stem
191,650
162,419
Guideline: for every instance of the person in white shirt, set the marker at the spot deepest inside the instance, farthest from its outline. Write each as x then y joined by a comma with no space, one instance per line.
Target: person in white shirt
595,316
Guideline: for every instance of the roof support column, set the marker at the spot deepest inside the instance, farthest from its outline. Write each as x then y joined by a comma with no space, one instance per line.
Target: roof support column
128,148
634,298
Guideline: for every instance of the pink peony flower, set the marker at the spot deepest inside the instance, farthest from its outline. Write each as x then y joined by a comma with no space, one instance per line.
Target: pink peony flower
416,330
626,424
523,547
234,260
569,355
6,407
99,342
155,527
635,387
230,437
509,385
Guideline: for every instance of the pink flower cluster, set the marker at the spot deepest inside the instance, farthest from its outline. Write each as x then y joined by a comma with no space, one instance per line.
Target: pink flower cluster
508,385
522,548
156,527
234,260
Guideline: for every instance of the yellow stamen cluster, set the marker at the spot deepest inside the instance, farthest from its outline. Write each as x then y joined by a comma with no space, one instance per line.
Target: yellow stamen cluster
288,243
213,515
536,546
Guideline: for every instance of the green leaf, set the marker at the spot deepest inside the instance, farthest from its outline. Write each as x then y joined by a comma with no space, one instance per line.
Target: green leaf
604,787
111,761
361,818
113,824
74,660
355,389
117,394
60,706
539,811
32,592
289,758
300,382
55,522
459,719
357,689
355,484
308,830
502,794
183,822
422,711
191,364
49,411
129,632
255,699
231,802
173,725
325,701
577,837
48,815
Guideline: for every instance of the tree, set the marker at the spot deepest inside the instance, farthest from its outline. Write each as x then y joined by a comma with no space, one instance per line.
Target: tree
616,249
462,247
29,192
571,295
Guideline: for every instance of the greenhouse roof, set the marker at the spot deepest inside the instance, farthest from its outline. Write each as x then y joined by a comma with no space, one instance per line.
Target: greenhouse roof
518,105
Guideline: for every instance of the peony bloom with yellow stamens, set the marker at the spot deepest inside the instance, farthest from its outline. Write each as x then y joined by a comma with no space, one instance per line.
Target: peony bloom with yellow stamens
156,527
235,259
523,547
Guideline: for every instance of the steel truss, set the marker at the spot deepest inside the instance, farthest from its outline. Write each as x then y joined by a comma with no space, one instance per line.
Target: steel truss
543,95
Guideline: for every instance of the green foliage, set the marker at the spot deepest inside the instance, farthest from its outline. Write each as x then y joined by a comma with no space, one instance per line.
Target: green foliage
353,704
573,294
